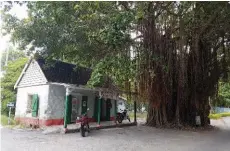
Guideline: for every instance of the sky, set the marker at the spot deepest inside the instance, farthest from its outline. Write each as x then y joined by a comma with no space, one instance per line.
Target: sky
18,11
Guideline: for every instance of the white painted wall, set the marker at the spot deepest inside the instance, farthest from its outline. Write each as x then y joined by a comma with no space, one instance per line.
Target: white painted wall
22,98
90,103
56,102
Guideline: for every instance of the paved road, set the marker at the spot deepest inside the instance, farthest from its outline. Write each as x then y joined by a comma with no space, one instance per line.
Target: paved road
138,138
227,121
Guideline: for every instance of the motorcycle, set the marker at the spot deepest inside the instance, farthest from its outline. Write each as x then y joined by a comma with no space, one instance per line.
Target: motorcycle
122,115
84,122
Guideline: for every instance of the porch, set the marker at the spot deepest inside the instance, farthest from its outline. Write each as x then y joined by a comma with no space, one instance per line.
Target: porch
102,109
94,125
72,128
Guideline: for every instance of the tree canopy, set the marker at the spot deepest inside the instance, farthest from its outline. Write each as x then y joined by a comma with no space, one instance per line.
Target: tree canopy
13,71
12,55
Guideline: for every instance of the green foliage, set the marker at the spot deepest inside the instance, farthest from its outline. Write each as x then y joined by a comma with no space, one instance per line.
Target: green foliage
214,116
223,97
224,93
91,34
118,68
12,55
97,77
81,32
13,71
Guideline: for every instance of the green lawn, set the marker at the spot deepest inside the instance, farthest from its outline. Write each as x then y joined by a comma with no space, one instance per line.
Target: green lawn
219,115
4,120
139,115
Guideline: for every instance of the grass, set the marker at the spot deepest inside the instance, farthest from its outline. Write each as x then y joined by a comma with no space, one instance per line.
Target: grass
4,120
13,123
211,116
139,115
218,116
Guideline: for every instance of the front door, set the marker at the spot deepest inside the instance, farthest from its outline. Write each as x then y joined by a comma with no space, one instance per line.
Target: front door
75,105
84,104
108,107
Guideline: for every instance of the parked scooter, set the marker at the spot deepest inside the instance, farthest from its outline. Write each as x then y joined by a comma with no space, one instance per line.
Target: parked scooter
122,115
84,121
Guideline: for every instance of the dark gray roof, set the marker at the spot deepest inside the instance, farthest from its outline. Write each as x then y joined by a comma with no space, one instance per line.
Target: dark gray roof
61,72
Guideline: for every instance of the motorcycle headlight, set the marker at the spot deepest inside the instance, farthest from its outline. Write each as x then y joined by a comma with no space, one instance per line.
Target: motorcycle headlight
78,118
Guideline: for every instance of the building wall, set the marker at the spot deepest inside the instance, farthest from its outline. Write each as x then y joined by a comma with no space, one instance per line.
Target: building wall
90,103
52,104
32,76
112,110
56,102
22,98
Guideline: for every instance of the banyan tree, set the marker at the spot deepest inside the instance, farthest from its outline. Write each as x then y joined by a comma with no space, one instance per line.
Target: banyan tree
180,59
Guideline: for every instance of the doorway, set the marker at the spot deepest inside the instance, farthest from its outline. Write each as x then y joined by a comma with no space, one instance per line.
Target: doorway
75,109
108,107
84,105
105,109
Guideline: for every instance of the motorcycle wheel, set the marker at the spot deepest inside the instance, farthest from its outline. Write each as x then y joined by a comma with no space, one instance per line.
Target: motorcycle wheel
82,131
119,120
128,119
88,128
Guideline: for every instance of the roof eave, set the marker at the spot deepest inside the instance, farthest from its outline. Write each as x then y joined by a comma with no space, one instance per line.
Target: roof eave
22,73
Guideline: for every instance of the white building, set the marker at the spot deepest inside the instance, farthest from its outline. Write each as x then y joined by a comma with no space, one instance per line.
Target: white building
51,93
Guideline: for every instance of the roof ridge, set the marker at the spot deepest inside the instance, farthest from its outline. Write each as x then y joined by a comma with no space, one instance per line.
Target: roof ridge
64,72
60,61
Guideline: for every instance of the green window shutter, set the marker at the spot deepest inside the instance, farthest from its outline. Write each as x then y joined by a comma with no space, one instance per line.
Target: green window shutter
35,105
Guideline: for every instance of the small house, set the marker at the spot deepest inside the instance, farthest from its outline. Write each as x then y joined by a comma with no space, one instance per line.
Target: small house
54,93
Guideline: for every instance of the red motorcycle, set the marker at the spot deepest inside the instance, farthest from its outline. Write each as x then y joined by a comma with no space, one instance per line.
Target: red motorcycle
84,121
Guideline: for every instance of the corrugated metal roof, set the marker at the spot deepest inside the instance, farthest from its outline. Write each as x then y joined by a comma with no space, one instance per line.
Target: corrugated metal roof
61,72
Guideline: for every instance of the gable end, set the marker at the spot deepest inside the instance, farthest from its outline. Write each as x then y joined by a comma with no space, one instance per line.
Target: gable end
31,75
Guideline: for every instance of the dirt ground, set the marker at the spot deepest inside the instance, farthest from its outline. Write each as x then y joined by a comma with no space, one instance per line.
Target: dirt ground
135,138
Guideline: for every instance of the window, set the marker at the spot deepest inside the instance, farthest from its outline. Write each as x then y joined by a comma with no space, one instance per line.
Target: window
33,105
29,103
